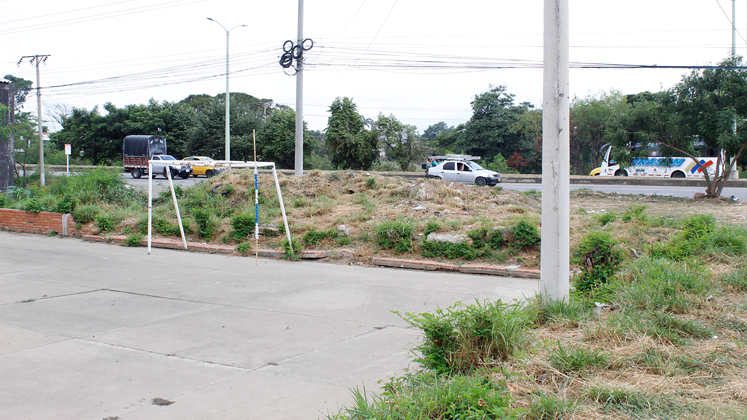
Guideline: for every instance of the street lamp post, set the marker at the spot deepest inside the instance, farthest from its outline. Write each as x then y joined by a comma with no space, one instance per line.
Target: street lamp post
228,93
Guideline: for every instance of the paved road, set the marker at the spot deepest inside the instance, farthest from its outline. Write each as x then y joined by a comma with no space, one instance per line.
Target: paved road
95,331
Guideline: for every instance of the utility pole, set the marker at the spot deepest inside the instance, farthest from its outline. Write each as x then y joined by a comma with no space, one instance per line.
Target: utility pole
299,96
554,264
733,28
36,60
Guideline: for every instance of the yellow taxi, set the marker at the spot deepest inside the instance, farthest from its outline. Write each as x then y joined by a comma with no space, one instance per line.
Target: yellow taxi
202,166
595,172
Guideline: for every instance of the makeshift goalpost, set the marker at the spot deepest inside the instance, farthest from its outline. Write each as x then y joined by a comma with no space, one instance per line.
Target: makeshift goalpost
228,164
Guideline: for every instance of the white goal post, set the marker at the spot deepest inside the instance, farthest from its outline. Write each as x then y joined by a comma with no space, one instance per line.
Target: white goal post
227,164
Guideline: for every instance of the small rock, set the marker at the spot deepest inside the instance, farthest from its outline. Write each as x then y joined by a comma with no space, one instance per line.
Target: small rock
436,212
442,237
95,230
161,401
457,198
699,196
421,193
418,208
344,230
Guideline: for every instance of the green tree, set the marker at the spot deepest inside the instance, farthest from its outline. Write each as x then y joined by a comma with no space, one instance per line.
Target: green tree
350,145
400,141
590,119
277,140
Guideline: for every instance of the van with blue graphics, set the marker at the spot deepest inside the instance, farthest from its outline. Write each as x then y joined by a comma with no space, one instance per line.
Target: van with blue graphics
659,166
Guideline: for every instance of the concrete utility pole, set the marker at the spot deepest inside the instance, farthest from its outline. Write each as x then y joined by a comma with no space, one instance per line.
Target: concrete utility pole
733,28
36,60
228,92
554,264
299,96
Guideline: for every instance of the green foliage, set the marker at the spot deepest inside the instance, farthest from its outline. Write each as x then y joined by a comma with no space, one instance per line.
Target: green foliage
315,237
350,145
164,227
426,395
399,141
243,225
634,212
638,403
85,213
577,359
597,253
546,406
485,237
244,248
107,221
606,218
133,240
34,205
550,311
295,253
700,235
462,338
525,235
206,223
660,285
431,226
433,249
65,205
277,140
371,183
396,234
735,279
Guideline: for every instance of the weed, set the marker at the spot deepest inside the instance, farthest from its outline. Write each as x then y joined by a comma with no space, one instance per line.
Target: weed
550,311
606,218
107,221
133,240
634,212
34,205
426,395
525,235
65,205
462,338
395,234
433,249
431,226
371,183
343,240
244,248
295,253
577,359
243,225
86,213
597,253
546,406
634,402
206,224
165,228
657,362
315,237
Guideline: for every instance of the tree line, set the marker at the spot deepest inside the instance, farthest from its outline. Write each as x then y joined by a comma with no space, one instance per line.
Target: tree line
706,110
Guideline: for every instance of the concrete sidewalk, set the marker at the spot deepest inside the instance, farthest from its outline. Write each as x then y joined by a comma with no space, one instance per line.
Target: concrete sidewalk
95,331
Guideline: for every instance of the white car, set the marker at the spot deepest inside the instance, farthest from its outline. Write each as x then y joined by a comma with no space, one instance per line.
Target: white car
460,168
161,161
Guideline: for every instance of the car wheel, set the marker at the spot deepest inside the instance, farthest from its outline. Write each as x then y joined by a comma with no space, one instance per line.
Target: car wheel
209,173
621,172
480,181
678,174
185,176
136,173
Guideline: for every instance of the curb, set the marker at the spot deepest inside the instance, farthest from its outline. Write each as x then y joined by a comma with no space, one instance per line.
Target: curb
494,270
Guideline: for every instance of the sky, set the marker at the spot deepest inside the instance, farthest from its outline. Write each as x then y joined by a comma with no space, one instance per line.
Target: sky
422,61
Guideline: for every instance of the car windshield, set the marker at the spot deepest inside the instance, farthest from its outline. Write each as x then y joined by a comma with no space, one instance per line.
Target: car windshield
167,157
475,166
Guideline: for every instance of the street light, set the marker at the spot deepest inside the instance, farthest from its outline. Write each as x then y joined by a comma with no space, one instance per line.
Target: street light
228,93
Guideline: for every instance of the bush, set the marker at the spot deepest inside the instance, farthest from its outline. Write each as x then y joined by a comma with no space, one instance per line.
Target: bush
431,226
86,213
244,248
296,252
525,235
370,183
65,205
107,222
133,240
206,224
578,359
597,253
434,249
395,234
462,338
314,237
426,395
243,225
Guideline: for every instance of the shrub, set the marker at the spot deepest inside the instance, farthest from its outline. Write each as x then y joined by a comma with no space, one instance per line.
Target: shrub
395,234
597,253
370,183
65,205
164,227
431,226
295,254
314,237
243,225
525,235
133,240
86,213
549,407
433,249
462,338
206,224
33,205
244,248
107,222
606,218
634,212
486,237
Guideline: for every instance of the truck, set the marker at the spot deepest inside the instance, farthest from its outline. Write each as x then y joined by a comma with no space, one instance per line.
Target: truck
137,150
655,165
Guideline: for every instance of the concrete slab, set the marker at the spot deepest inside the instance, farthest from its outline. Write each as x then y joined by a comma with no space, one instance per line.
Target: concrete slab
220,336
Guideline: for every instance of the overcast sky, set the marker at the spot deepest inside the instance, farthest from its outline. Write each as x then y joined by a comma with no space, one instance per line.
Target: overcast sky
421,60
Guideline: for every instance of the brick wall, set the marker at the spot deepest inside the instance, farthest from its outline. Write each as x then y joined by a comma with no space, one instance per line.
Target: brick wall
43,222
